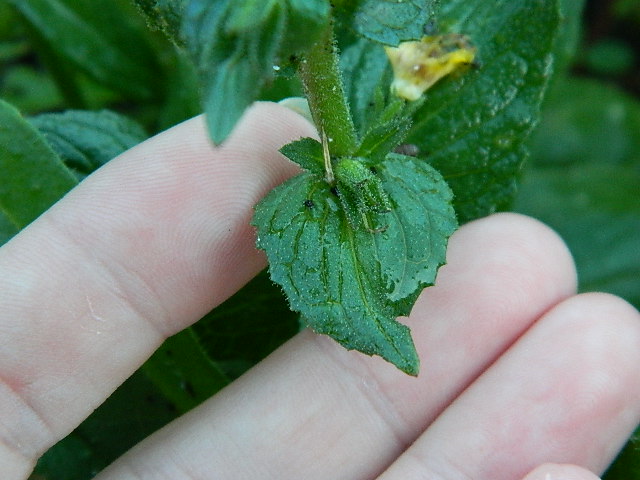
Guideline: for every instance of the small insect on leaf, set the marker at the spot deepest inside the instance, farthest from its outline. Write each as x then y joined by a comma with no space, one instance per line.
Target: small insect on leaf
417,66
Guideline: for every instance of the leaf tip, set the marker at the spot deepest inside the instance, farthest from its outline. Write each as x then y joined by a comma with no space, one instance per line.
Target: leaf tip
411,368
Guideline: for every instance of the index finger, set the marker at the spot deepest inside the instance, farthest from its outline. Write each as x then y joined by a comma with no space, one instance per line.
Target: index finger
137,252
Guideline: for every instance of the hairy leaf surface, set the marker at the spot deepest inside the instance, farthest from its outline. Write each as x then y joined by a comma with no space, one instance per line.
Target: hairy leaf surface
391,128
306,152
350,283
367,75
86,140
392,21
164,15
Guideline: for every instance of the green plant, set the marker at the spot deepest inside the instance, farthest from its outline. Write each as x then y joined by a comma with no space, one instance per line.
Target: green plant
363,229
382,216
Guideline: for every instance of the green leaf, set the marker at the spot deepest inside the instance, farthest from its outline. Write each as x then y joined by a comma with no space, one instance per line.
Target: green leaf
236,44
610,57
367,74
307,19
132,413
87,140
570,33
28,90
33,177
182,371
164,15
391,128
472,127
627,464
230,75
73,456
9,25
392,21
7,228
12,50
584,181
307,153
596,210
349,283
183,92
249,14
247,327
230,91
586,121
413,247
96,41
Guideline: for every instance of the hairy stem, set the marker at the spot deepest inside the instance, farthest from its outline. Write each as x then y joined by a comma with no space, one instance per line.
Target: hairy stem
323,85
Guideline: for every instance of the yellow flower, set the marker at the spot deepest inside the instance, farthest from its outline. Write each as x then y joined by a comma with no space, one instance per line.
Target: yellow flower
418,65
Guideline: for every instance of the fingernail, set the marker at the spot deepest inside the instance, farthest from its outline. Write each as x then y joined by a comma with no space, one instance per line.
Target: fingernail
552,471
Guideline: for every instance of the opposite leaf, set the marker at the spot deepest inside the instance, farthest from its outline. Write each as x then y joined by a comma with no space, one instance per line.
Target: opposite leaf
412,249
230,75
366,72
307,153
383,136
349,283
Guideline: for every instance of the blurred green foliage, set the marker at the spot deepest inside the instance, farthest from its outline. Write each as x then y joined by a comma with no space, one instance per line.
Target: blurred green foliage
583,177
610,56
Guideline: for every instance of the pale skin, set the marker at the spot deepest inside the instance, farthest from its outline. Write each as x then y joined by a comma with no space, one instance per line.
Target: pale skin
521,377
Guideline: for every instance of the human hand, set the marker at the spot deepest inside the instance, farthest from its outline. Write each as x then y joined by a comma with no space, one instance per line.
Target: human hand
517,370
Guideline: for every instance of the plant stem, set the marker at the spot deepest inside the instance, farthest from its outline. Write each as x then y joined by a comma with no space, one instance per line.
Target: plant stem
323,85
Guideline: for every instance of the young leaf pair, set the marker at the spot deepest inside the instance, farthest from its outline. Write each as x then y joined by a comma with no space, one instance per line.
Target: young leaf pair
346,279
353,178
